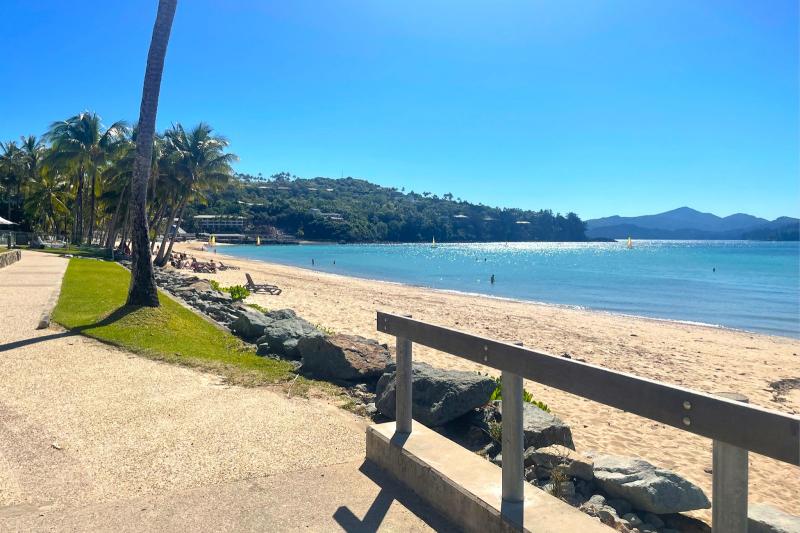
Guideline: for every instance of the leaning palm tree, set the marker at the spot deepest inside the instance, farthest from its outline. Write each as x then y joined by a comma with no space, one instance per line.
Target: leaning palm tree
143,289
82,145
198,160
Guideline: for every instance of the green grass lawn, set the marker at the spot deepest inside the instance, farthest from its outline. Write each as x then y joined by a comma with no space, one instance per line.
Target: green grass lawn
92,302
78,251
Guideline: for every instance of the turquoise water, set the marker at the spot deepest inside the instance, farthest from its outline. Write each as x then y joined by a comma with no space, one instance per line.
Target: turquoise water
756,285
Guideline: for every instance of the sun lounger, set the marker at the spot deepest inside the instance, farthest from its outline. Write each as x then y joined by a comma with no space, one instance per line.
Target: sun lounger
263,287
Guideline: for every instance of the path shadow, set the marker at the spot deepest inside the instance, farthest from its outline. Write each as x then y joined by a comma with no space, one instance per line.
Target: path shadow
391,490
115,315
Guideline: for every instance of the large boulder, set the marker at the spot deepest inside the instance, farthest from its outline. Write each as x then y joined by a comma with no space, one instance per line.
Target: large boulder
250,323
543,429
282,335
438,396
764,518
646,487
561,458
345,357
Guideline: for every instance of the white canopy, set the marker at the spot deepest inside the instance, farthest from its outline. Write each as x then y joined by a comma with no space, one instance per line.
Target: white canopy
4,222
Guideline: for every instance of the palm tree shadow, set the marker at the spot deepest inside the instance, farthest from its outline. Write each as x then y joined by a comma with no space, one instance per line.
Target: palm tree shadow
116,315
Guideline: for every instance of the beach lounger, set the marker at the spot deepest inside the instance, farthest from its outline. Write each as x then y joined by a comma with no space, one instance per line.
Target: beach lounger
253,287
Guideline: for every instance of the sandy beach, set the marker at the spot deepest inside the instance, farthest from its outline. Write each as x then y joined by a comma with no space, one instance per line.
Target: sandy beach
699,357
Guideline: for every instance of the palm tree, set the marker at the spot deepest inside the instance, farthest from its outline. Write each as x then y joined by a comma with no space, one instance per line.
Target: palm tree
142,290
45,200
12,173
81,145
198,160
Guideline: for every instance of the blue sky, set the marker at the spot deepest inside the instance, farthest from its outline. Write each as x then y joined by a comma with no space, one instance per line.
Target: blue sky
613,107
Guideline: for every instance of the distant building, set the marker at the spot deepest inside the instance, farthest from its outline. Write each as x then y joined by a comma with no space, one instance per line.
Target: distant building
328,216
219,224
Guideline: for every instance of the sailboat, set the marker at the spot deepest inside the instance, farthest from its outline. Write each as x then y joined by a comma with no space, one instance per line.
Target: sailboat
258,240
630,243
433,242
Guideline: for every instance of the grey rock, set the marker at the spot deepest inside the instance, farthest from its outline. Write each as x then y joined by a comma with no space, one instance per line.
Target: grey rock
497,459
345,357
765,518
632,519
250,324
543,429
438,396
646,487
621,506
281,314
281,335
653,520
560,457
371,409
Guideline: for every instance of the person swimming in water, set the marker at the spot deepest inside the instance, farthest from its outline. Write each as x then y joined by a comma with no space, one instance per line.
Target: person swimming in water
491,280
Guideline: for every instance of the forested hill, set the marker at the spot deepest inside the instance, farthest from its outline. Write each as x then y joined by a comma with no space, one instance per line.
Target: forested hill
354,210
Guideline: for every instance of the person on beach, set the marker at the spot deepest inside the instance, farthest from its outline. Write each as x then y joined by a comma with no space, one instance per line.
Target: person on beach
312,261
491,280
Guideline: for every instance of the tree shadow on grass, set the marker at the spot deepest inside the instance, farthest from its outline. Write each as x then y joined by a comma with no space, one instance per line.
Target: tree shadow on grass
116,315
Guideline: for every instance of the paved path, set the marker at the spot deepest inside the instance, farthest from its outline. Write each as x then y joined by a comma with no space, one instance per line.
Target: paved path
95,438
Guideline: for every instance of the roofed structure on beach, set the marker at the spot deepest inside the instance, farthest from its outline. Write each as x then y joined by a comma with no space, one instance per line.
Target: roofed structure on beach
5,222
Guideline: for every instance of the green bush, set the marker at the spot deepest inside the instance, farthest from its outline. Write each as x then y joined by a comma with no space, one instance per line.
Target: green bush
237,292
259,308
497,394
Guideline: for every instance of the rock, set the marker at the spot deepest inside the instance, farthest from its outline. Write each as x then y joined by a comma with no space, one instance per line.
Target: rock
498,460
765,518
346,357
281,314
621,506
250,324
371,409
653,520
556,456
646,487
632,519
438,396
543,429
282,335
564,489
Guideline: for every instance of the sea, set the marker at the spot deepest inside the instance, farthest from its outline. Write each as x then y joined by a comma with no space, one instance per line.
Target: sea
747,285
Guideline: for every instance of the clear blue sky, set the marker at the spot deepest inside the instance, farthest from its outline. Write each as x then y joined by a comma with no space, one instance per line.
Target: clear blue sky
613,107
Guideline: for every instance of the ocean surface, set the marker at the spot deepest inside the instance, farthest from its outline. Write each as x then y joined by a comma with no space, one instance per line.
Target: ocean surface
745,285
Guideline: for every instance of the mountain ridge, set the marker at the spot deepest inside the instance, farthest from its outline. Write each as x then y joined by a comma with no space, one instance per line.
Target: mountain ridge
687,223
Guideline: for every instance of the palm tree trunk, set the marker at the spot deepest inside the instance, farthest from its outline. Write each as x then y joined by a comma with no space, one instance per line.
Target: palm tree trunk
161,259
143,289
115,220
92,205
175,233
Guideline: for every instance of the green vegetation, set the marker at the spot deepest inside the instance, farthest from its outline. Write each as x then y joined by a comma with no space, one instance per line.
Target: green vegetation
78,251
325,329
75,180
354,210
237,292
92,303
258,308
497,394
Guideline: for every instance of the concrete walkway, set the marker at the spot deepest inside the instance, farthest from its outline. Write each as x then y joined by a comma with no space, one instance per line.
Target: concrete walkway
94,438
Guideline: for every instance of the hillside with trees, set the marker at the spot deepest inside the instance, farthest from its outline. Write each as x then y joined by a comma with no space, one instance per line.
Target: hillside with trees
355,210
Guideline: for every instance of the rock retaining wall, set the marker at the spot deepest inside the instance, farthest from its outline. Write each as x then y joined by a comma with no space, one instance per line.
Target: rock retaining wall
11,256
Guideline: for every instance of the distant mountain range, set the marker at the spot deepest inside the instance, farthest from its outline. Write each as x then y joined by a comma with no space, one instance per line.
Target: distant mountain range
688,223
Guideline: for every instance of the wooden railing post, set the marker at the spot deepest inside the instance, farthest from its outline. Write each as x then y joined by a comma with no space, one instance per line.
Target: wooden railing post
513,440
729,484
403,384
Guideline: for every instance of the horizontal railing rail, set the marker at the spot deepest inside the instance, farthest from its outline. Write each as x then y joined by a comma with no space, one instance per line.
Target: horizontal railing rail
767,432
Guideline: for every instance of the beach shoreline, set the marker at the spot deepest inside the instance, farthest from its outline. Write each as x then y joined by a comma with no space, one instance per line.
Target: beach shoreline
703,357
